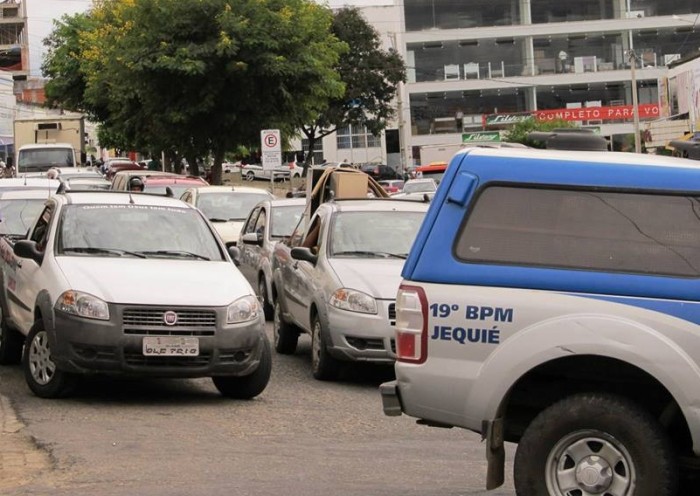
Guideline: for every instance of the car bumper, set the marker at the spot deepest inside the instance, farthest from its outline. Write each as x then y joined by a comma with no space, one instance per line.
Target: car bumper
92,346
363,337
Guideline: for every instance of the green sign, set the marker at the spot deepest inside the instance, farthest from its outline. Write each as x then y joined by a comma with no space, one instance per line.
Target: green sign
481,136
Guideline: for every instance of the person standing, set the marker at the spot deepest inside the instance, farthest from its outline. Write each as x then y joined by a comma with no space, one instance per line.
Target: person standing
563,65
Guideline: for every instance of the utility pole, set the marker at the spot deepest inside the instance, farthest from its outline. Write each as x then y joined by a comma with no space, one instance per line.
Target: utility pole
401,123
635,101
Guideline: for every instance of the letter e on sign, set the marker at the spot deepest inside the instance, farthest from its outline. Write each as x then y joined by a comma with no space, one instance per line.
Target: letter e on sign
270,140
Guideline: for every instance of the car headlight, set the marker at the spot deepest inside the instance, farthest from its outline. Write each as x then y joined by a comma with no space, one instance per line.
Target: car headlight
82,305
353,301
243,310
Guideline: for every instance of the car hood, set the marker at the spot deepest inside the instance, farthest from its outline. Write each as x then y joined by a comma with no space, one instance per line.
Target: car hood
155,281
229,231
377,277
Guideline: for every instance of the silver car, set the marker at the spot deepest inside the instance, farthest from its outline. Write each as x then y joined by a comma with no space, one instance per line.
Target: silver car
337,280
269,222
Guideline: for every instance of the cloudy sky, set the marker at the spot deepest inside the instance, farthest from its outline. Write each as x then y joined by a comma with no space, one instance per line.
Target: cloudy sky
41,13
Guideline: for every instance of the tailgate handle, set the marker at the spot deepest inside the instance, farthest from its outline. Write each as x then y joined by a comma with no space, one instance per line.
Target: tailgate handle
461,188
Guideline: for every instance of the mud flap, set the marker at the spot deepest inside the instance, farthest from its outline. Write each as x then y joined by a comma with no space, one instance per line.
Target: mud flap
492,432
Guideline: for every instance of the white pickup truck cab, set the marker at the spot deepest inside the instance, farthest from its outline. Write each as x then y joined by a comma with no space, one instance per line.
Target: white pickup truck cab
551,299
128,284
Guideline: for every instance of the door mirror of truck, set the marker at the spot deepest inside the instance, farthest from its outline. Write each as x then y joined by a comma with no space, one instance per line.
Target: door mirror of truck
28,249
303,253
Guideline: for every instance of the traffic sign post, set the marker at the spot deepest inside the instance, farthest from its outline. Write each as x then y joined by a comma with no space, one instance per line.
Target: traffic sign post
271,146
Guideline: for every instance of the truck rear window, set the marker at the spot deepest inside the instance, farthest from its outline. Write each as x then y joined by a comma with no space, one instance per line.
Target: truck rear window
594,230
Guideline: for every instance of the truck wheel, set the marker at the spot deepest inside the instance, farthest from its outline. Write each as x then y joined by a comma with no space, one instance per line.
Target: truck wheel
247,386
286,335
249,176
595,444
40,372
265,299
323,365
11,343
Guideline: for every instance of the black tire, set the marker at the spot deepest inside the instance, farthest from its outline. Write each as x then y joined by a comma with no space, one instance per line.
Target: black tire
262,292
249,176
324,367
251,385
595,428
11,343
285,335
42,376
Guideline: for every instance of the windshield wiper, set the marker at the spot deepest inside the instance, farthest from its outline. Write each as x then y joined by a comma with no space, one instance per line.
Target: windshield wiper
216,219
108,251
177,253
383,254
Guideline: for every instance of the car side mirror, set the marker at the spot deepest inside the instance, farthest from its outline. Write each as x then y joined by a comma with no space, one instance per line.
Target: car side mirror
252,239
28,249
303,253
235,254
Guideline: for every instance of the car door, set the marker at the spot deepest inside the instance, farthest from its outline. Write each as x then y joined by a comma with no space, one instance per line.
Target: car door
301,278
29,277
247,251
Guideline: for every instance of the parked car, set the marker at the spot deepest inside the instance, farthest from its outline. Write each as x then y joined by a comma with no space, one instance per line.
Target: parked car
120,180
337,281
251,172
87,183
380,171
392,185
551,300
269,222
417,189
176,185
113,165
126,284
226,207
231,168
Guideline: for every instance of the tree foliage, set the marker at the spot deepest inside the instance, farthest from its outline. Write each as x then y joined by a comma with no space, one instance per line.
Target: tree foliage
371,76
193,78
518,133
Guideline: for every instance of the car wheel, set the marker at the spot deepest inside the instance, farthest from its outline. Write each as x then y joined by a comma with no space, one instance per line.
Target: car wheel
42,376
286,335
249,176
251,385
265,300
11,343
595,444
323,366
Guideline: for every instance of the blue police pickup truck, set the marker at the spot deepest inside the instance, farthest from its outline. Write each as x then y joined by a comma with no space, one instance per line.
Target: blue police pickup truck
551,300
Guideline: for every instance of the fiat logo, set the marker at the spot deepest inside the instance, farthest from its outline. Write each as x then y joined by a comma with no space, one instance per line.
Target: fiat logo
170,318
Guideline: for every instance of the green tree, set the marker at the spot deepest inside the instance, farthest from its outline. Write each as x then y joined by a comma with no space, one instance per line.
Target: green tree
200,78
518,133
371,76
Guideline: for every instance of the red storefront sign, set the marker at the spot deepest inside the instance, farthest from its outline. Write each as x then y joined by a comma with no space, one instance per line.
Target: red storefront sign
619,112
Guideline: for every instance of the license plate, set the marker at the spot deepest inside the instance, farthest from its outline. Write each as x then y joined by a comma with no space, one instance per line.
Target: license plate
170,346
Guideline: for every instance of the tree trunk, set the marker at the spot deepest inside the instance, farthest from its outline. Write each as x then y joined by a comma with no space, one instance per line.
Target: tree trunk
216,167
310,154
192,163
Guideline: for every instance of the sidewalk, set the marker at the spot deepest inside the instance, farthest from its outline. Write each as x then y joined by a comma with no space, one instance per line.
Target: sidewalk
20,459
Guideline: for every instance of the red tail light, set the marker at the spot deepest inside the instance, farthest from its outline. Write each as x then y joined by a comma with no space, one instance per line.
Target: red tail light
411,325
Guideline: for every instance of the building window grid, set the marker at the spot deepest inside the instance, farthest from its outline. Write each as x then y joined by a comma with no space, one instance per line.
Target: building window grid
354,137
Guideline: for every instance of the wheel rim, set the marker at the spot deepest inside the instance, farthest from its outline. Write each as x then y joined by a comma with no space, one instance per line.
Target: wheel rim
40,364
588,463
262,291
316,345
250,176
277,321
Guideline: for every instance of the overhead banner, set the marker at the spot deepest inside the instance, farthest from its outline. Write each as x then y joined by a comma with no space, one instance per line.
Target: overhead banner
618,112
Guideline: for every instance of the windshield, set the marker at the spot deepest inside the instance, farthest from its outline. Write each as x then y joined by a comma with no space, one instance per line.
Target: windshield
284,220
17,216
42,159
387,234
419,187
159,189
137,230
434,175
229,205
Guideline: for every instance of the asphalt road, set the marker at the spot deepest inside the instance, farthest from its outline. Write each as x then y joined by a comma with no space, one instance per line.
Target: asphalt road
301,437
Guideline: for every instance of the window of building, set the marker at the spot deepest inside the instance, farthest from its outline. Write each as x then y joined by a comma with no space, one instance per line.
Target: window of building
449,14
591,230
318,150
356,137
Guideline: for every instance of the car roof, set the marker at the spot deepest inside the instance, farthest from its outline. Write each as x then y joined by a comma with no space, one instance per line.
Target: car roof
119,198
143,173
375,204
25,194
204,189
173,179
29,182
288,202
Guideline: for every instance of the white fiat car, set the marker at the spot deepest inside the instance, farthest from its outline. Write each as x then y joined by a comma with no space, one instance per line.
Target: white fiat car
128,284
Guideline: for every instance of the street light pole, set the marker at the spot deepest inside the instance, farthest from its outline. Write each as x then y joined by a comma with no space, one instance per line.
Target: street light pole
635,102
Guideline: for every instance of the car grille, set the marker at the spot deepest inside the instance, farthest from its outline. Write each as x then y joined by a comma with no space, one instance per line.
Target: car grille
392,314
139,360
365,343
150,321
